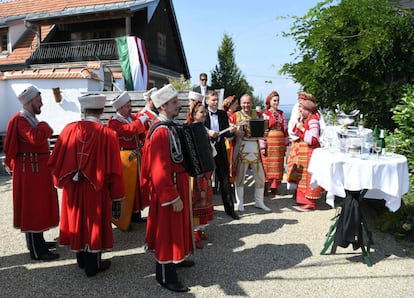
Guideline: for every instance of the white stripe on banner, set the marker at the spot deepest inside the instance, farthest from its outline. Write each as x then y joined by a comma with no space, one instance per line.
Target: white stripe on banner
143,62
134,63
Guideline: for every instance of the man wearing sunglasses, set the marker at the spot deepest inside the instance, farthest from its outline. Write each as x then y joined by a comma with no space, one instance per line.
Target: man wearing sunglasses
203,87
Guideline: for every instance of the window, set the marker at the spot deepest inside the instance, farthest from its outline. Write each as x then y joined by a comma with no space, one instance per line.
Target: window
162,44
3,40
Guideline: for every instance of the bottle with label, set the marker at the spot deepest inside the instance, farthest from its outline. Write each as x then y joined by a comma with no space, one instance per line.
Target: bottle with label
375,133
382,140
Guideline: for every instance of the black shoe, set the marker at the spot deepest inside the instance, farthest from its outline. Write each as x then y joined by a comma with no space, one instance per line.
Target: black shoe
47,256
50,244
175,287
233,215
185,263
80,259
104,265
136,218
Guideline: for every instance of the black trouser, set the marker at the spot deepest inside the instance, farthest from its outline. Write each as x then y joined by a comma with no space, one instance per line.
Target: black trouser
36,244
222,172
166,273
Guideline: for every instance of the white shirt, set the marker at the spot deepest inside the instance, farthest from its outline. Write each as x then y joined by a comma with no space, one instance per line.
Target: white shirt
214,121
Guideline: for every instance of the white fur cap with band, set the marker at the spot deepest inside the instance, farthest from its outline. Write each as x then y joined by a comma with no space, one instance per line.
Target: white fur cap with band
195,95
163,95
147,95
28,94
92,101
119,101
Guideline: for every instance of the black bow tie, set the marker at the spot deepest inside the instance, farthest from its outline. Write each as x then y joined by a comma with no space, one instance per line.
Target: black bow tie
213,113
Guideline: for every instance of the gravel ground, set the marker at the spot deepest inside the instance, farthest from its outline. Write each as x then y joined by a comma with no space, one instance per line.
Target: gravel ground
264,254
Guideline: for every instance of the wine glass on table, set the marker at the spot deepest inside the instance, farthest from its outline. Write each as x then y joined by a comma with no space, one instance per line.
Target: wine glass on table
378,148
393,145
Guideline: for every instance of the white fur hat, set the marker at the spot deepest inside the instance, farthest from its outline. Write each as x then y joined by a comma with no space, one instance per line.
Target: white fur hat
92,101
147,95
119,101
28,94
163,95
195,95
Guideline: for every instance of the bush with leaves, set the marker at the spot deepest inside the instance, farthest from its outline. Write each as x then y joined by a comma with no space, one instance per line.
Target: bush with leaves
402,222
403,115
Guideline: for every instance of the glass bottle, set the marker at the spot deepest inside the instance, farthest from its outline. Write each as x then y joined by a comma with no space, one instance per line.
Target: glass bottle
382,140
375,133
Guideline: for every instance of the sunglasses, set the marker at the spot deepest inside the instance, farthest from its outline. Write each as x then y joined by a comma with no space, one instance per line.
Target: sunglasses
203,79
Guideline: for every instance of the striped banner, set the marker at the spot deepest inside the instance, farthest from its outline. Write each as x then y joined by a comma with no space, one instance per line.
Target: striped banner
134,62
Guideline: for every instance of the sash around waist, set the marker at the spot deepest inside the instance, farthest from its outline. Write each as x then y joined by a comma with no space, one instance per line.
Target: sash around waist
28,153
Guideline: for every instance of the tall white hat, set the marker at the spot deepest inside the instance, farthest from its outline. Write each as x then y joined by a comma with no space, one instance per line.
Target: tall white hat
28,94
119,101
163,95
195,95
92,101
147,95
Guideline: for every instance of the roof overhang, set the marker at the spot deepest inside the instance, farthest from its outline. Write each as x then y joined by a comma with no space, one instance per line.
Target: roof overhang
110,10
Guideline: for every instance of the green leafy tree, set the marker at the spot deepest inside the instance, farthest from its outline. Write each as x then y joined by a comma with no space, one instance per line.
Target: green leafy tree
226,74
357,53
180,84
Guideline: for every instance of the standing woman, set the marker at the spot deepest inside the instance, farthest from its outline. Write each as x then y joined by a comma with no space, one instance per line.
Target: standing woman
202,191
277,140
308,131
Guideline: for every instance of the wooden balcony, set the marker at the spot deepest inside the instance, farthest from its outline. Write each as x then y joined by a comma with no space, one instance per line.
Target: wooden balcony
73,51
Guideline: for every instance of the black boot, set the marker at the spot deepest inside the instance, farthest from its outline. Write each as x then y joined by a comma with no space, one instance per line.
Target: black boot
94,263
166,276
38,248
80,259
137,217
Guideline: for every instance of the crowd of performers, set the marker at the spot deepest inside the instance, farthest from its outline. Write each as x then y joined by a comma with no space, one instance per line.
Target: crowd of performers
109,173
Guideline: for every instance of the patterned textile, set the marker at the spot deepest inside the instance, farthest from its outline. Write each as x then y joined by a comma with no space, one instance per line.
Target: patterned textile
303,155
273,161
292,175
202,199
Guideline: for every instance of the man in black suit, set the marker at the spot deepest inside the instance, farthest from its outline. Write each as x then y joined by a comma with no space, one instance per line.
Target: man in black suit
203,87
217,120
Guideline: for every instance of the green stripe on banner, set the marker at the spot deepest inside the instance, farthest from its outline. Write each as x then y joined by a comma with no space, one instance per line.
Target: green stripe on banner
122,45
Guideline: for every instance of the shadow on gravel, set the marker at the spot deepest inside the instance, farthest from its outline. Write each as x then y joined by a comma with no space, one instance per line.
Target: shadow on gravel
226,261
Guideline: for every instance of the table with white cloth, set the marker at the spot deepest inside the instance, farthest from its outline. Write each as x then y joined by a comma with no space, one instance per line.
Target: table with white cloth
353,178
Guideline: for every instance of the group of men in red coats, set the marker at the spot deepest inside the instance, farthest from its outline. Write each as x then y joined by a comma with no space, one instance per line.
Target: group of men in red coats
92,163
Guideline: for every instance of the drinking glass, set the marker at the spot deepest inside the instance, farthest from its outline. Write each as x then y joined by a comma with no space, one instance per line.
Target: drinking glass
378,148
393,145
365,149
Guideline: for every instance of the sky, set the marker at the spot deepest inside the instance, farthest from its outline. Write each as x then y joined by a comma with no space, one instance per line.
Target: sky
256,30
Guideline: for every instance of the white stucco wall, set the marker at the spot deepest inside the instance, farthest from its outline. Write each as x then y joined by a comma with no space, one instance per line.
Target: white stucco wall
56,114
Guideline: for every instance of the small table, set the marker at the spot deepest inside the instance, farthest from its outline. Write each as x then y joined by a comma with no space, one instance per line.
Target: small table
353,178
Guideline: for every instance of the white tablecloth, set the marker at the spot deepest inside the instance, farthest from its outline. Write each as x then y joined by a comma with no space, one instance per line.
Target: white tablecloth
385,178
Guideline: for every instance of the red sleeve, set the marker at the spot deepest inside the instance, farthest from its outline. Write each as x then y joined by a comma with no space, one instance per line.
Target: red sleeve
161,167
298,132
127,129
115,180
